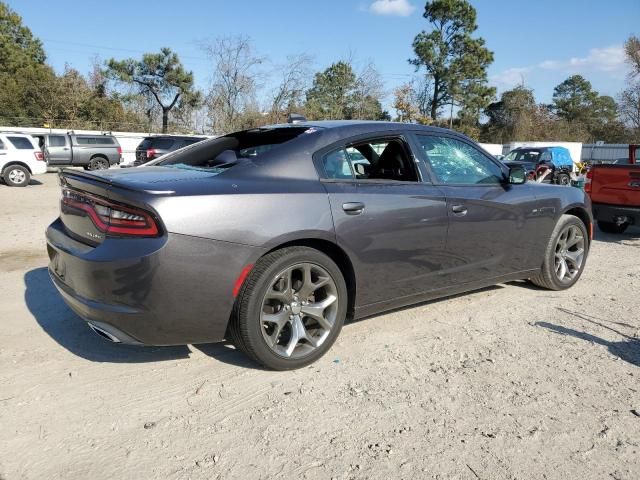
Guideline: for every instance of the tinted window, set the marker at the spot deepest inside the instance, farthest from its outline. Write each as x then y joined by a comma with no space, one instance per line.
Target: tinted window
57,141
225,152
336,165
161,143
455,162
103,140
21,143
546,156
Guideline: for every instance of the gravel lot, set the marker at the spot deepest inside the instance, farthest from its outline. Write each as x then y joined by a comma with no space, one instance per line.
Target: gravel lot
510,382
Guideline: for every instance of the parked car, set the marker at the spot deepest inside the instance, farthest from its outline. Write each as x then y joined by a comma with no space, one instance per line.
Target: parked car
615,192
20,158
553,162
93,152
155,146
271,237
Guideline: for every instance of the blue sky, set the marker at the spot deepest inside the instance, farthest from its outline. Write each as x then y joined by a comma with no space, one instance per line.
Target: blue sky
538,41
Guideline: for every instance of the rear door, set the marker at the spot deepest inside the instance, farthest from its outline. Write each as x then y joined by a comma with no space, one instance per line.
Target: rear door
57,150
492,224
392,225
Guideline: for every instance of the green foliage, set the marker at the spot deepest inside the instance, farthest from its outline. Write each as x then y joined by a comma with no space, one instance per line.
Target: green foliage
455,62
338,93
159,75
18,47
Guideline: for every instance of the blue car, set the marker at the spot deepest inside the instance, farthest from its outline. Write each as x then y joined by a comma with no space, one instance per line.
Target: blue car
537,161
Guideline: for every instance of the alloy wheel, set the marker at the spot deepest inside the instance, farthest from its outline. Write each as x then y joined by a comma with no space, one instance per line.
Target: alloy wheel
569,253
17,176
299,310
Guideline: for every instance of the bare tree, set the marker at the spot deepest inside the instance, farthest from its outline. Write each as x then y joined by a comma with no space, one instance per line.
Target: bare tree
288,95
629,105
234,82
368,93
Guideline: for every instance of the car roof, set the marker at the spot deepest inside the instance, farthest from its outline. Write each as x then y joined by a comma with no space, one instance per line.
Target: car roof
360,125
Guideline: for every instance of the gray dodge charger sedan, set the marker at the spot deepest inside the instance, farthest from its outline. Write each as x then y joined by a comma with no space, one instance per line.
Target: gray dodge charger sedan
272,237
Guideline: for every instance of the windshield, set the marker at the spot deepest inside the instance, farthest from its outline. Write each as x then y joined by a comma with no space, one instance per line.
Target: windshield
224,152
529,156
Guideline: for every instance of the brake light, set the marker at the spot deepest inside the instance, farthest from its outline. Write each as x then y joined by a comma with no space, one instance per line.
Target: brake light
119,150
151,152
110,217
587,181
39,156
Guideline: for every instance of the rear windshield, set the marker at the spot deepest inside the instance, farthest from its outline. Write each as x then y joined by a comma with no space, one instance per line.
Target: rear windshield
21,143
159,143
224,152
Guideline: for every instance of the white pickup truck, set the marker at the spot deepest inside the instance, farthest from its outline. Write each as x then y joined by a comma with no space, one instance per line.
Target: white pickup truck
20,158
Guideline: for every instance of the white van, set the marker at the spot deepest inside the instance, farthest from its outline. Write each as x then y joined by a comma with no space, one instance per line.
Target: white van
20,158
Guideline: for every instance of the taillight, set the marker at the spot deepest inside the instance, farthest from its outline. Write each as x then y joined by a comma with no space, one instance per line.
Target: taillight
112,218
151,152
587,181
39,156
119,150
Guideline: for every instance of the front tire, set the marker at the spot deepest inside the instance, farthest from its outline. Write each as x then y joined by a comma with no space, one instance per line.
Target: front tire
290,308
565,255
610,227
563,179
16,176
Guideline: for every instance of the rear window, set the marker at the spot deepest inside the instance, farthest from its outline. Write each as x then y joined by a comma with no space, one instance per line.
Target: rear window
161,143
224,152
103,140
21,143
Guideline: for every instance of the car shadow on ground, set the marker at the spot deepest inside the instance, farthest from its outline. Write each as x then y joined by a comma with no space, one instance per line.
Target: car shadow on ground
632,234
627,349
71,332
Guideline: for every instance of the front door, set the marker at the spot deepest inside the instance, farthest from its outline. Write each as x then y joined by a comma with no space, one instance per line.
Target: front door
57,150
491,222
391,224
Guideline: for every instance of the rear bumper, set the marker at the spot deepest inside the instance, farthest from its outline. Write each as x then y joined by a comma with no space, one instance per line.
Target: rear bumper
612,213
172,290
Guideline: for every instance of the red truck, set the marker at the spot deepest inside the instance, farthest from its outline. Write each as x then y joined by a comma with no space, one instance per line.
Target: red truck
615,193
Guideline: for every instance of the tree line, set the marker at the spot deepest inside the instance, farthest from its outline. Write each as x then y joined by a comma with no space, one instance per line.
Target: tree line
450,88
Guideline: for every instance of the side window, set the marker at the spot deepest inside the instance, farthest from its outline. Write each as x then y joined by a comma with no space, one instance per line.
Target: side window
545,157
2,147
56,141
21,143
336,165
456,162
382,159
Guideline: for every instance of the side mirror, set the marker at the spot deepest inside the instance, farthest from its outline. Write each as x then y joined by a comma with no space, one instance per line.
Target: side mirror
517,175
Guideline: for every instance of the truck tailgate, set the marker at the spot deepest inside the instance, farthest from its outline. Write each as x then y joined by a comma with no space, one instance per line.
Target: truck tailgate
615,185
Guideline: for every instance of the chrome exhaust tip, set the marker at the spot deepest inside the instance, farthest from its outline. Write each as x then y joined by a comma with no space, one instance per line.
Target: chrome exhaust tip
104,334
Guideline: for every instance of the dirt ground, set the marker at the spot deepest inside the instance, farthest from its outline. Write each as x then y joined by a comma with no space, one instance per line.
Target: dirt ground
510,382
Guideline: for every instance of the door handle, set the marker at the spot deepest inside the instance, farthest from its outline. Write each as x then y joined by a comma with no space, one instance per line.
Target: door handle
353,208
66,148
459,210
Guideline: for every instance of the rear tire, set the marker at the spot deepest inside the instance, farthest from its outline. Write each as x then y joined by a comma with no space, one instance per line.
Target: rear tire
565,255
271,322
16,176
610,227
98,163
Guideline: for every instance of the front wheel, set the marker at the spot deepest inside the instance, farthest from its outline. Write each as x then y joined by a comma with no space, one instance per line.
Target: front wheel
565,255
16,176
290,309
610,227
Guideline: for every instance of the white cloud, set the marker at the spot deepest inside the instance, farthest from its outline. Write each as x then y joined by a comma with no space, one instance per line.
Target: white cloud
607,59
610,60
402,8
